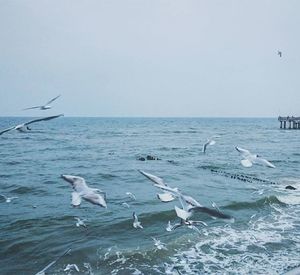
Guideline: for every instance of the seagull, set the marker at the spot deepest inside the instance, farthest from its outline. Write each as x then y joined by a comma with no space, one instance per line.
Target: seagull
136,223
169,227
79,222
43,107
81,190
71,267
7,199
131,195
279,53
125,204
209,141
24,126
164,197
249,159
190,205
43,271
159,245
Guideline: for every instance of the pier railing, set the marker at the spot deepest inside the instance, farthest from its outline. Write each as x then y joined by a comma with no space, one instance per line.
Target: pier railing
289,122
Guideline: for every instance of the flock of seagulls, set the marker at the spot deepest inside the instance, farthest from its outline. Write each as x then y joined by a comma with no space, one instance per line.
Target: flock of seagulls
187,207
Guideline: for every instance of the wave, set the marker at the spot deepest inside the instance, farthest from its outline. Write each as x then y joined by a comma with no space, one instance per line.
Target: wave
266,201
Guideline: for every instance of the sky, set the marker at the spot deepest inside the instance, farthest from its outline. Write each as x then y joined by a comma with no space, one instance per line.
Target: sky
150,58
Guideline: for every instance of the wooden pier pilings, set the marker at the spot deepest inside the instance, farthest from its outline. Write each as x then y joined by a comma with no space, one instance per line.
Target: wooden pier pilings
289,122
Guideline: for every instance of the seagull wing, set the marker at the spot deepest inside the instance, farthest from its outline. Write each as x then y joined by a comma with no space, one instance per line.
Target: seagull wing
265,162
50,101
166,197
42,119
8,129
204,147
34,107
176,225
182,214
155,179
76,199
243,152
95,199
211,212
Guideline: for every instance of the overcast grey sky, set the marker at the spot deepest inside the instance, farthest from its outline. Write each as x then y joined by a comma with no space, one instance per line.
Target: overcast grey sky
150,57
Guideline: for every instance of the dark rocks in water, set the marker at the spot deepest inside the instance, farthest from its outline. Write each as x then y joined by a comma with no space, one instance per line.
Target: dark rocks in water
290,187
148,157
152,158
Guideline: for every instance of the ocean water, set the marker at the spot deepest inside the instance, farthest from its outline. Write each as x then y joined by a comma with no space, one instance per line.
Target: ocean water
39,225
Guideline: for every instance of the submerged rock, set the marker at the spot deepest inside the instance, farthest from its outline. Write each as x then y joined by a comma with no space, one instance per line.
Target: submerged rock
290,187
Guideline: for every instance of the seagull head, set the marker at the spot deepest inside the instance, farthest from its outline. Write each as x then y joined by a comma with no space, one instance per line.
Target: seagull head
72,179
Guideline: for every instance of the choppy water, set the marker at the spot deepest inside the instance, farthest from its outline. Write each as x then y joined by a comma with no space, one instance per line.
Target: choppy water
40,224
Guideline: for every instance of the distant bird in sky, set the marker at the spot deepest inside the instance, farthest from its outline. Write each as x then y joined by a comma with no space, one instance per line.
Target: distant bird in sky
249,159
24,126
279,53
43,107
82,191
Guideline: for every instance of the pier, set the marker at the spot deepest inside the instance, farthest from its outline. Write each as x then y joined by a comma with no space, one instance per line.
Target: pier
289,122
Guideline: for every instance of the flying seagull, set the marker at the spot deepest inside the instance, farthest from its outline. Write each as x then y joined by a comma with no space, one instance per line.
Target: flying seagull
136,222
209,141
82,191
8,199
71,267
24,126
132,196
43,271
159,245
43,107
79,222
190,205
249,159
164,197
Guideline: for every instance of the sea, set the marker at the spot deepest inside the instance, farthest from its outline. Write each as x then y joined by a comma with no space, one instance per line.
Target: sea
263,236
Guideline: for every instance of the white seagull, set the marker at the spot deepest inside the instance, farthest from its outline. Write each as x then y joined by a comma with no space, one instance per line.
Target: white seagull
79,222
8,199
136,222
81,190
159,245
190,205
164,197
249,159
43,271
129,194
209,141
70,267
24,126
43,107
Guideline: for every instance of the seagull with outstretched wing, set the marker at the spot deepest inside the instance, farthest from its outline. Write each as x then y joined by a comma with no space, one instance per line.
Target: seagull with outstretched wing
164,197
249,159
82,191
24,126
43,107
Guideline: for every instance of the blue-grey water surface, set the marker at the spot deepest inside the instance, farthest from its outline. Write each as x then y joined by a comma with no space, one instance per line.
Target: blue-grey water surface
38,226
